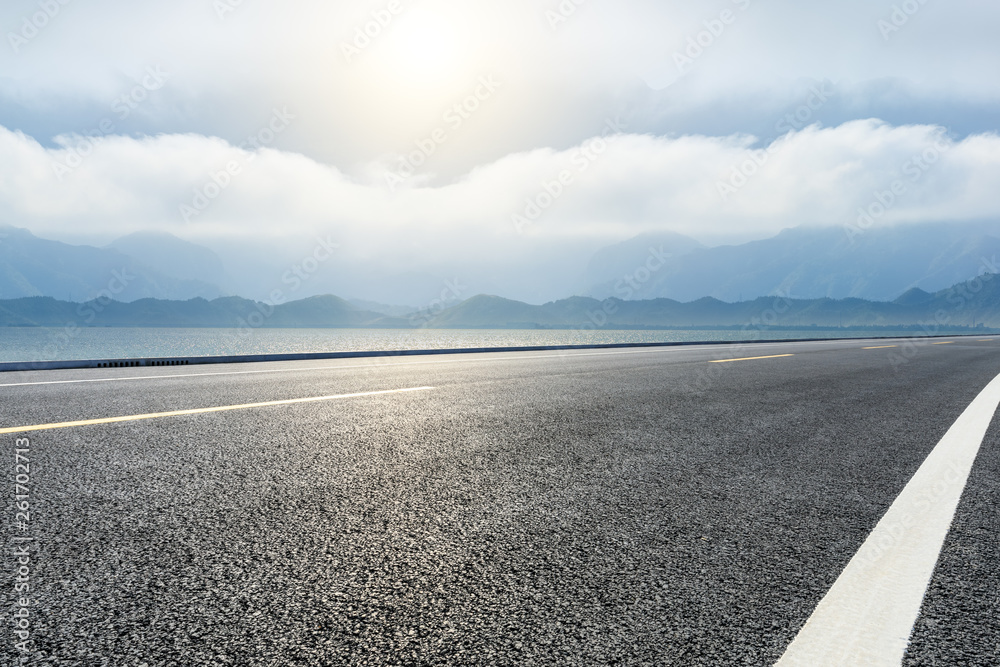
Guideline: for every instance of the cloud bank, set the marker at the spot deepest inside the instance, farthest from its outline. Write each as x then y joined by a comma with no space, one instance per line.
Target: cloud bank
608,187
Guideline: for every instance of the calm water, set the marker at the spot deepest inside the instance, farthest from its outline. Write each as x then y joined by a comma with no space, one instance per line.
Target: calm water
51,344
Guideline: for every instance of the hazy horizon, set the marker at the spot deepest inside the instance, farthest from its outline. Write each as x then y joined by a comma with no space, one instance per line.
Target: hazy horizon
500,146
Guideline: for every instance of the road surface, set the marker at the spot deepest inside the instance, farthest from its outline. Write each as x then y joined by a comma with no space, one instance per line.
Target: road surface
664,506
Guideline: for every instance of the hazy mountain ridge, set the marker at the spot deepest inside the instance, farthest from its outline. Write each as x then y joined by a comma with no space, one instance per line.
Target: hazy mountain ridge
879,264
32,266
384,308
970,304
320,311
174,257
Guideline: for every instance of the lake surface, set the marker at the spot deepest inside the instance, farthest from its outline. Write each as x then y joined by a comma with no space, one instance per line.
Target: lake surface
54,344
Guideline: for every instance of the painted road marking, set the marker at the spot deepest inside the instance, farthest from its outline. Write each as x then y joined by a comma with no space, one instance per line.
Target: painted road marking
867,617
466,358
947,342
201,411
879,347
299,369
391,362
727,361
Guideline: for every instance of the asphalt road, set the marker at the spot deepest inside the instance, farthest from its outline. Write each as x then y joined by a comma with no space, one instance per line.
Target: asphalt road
639,507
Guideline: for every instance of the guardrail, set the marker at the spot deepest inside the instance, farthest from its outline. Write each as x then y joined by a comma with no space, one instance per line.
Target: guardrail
317,356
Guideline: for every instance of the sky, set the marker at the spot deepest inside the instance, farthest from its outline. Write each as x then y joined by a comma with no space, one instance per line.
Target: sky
425,136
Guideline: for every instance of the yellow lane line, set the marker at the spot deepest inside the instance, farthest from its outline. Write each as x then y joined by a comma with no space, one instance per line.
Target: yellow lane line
947,342
201,411
773,356
879,347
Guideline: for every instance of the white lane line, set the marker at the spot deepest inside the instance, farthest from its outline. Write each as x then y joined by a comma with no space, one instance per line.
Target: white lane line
868,614
326,368
501,356
203,411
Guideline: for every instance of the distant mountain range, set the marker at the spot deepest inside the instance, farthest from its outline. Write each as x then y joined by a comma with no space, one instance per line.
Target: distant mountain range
879,264
171,256
970,304
806,263
223,312
134,267
974,303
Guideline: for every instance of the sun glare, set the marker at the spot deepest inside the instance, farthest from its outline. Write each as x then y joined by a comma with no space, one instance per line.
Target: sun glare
425,49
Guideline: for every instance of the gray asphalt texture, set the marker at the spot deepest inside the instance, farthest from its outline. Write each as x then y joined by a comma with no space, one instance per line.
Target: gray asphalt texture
606,508
960,618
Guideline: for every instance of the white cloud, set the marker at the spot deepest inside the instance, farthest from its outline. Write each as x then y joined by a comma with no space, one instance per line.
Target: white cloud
612,188
683,161
226,74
